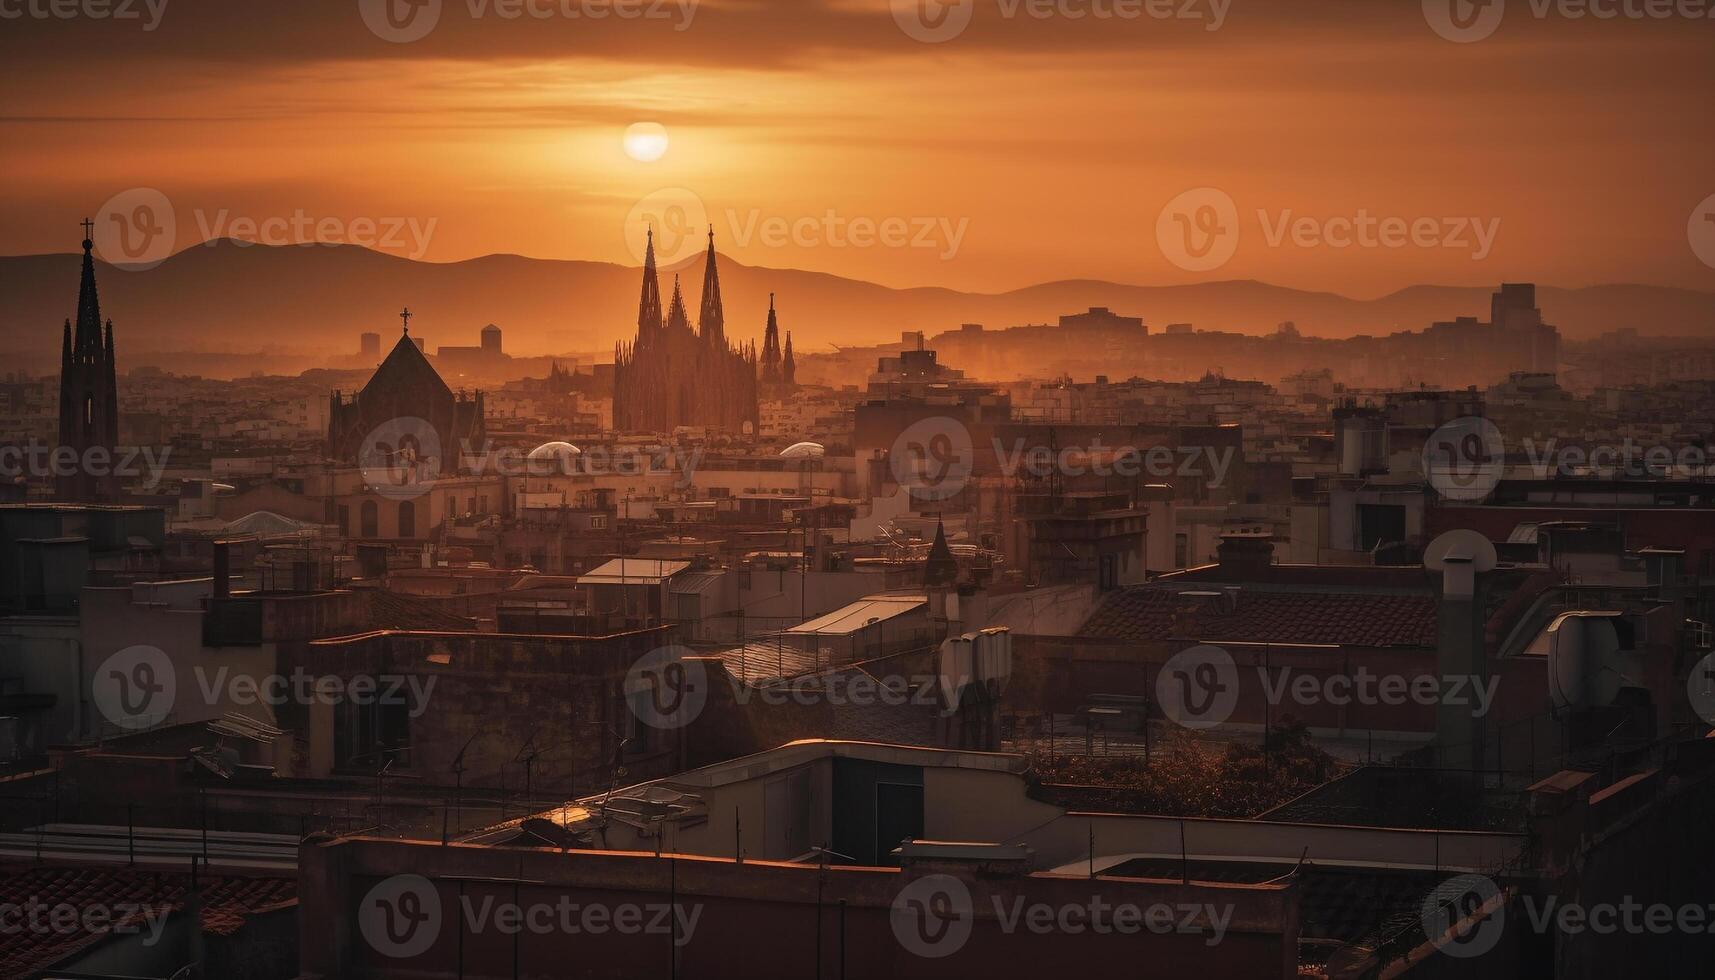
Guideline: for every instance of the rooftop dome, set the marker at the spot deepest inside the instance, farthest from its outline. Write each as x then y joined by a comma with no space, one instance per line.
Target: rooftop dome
552,459
803,450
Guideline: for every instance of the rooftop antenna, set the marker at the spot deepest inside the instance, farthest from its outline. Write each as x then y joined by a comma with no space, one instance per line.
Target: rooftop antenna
458,786
528,753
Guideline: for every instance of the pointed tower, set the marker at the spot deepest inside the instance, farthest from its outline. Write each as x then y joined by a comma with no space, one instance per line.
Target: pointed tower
771,347
89,398
788,367
649,303
678,318
711,323
940,568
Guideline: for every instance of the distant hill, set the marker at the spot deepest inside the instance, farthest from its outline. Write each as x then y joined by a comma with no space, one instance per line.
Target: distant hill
314,299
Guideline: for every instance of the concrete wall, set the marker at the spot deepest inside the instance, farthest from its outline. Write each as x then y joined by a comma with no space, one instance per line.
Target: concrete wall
758,920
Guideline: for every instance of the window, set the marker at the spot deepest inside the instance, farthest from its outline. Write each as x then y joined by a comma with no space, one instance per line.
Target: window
371,519
344,520
407,519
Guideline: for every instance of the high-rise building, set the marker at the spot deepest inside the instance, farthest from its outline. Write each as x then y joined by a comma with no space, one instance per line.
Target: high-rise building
89,396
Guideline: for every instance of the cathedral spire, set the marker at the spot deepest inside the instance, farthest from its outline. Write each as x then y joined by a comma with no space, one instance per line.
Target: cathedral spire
712,321
788,368
86,343
649,304
677,316
771,346
89,399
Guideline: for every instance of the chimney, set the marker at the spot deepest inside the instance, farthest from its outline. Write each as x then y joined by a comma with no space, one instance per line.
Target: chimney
222,569
1460,652
1246,553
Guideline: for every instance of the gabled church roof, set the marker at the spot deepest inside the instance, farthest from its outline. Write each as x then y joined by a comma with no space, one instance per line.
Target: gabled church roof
406,369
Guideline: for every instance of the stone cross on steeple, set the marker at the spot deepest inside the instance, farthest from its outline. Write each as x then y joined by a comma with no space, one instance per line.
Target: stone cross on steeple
405,317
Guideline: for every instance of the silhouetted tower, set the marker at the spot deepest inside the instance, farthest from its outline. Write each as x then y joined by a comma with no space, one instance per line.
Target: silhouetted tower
649,305
711,322
89,396
678,317
788,366
771,347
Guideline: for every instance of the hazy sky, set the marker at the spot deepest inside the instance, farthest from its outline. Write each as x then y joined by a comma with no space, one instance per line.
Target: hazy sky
1033,145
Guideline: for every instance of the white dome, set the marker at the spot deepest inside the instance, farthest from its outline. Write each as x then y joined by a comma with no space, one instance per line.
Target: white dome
552,459
804,450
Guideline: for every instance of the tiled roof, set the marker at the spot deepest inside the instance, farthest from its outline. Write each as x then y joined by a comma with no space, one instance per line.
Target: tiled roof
1337,618
392,611
94,892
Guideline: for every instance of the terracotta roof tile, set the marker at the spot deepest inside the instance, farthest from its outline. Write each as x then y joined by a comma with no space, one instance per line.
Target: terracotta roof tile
227,901
1338,618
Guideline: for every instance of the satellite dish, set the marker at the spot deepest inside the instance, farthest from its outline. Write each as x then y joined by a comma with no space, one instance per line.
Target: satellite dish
1587,668
1460,546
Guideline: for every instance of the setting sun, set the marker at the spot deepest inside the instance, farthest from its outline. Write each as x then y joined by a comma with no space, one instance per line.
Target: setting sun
646,142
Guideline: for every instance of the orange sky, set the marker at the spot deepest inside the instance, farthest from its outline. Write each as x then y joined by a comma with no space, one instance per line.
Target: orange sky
1024,150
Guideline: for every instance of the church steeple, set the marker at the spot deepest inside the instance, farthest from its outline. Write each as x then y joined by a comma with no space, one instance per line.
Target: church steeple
86,343
711,323
788,367
678,318
771,346
649,303
89,399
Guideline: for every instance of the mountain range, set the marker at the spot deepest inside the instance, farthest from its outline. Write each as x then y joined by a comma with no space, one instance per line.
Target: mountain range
233,297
